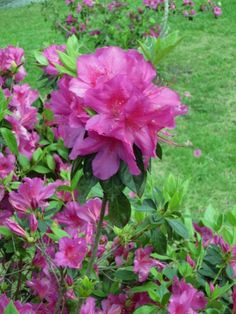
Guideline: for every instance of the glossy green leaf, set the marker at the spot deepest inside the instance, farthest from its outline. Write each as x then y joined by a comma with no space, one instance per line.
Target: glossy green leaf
10,140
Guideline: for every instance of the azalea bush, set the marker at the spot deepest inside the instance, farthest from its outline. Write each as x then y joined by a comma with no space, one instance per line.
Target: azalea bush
84,228
122,23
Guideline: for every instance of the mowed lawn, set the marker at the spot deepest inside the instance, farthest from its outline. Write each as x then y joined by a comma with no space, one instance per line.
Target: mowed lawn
203,64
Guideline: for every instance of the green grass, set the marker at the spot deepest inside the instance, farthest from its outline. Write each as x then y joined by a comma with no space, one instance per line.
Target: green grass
203,64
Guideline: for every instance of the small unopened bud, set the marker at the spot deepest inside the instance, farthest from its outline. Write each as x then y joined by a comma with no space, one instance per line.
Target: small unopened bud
33,223
15,228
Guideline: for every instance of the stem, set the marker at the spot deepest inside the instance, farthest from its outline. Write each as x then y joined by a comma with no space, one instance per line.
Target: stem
19,280
165,19
61,293
97,237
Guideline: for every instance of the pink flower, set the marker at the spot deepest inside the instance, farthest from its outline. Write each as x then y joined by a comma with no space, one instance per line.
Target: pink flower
7,165
79,8
68,2
11,60
31,194
15,228
33,222
217,11
185,13
128,109
71,252
89,3
143,263
197,153
191,262
51,54
80,218
44,286
114,304
153,4
206,234
3,302
192,12
27,141
89,306
21,106
69,113
185,298
186,2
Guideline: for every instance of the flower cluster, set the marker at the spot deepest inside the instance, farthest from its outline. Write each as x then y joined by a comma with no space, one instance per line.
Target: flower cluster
11,65
111,106
23,117
52,58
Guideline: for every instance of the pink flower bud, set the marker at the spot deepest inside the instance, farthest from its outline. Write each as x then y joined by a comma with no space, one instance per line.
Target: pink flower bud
33,223
190,261
69,280
15,228
212,287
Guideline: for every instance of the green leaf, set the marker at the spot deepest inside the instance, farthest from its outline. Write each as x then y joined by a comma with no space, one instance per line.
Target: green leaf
23,161
41,169
119,210
146,309
85,184
112,187
178,227
10,140
40,58
170,272
51,162
148,205
37,154
229,272
68,61
10,309
158,241
72,46
145,287
77,164
220,291
5,231
185,269
58,232
64,70
210,216
126,274
159,151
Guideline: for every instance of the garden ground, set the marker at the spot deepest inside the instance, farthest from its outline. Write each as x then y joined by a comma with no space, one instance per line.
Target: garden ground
203,64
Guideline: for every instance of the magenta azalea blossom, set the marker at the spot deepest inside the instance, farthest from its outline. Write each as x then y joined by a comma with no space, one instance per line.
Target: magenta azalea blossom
80,218
89,306
89,3
143,263
113,106
31,194
217,11
69,114
15,228
44,286
51,54
71,252
21,105
153,4
7,164
185,298
11,60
